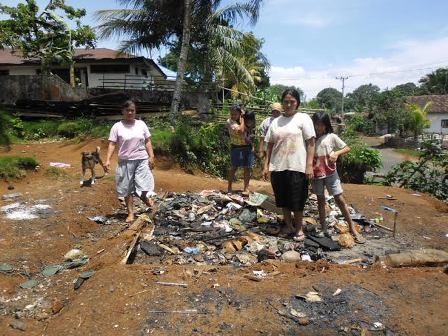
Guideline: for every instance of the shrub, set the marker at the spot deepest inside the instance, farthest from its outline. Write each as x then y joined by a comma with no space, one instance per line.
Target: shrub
429,174
205,147
361,123
12,166
55,172
361,159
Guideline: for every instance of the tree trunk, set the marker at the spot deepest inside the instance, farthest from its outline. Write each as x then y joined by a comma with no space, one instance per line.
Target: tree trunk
72,74
177,94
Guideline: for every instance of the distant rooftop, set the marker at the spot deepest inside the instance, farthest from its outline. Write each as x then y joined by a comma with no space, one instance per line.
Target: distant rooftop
439,102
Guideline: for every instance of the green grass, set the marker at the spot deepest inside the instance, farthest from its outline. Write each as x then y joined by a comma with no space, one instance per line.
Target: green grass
13,166
161,138
55,172
408,151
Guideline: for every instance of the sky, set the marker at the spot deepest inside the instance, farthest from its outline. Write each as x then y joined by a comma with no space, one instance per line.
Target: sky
311,42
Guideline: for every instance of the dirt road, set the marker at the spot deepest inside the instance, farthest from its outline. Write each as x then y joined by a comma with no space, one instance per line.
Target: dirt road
218,300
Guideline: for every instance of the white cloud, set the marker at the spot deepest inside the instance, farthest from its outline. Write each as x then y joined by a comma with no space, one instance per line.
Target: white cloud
409,61
313,21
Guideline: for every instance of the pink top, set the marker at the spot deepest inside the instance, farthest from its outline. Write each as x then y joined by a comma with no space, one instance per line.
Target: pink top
131,139
325,146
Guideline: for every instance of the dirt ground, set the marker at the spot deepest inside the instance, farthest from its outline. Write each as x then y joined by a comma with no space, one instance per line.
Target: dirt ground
125,300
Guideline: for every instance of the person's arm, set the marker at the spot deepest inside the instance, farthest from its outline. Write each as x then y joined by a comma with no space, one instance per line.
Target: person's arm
310,150
150,151
335,155
242,127
110,152
261,147
267,160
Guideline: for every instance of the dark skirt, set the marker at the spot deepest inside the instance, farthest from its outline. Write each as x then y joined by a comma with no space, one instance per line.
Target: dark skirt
290,189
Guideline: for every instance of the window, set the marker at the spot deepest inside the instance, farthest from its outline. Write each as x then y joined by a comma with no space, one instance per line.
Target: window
444,123
136,71
144,73
4,72
110,68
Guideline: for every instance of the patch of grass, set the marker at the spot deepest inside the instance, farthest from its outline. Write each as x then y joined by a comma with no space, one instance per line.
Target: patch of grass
55,172
408,151
13,166
161,139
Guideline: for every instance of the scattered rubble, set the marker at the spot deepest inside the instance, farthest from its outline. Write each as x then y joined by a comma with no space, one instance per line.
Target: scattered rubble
212,227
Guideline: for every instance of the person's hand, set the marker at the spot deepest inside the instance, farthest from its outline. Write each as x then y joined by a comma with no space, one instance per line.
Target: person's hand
309,172
107,166
333,157
265,173
262,155
151,162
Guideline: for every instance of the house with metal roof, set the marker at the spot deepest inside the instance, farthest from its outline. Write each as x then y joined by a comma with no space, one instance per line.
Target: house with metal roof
438,112
94,68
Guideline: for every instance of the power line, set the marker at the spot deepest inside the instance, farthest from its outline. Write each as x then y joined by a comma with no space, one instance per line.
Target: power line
376,73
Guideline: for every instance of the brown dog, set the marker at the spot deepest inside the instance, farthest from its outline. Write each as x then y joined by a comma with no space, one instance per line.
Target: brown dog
88,161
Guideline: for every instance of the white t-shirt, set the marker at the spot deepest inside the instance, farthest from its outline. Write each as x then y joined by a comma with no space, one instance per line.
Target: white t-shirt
325,146
130,139
288,134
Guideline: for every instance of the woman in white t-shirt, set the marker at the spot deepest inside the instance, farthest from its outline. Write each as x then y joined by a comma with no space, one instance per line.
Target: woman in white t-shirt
291,142
135,158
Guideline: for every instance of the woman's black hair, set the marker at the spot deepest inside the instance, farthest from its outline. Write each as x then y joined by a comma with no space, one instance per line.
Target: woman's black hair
292,92
324,118
236,107
249,115
128,103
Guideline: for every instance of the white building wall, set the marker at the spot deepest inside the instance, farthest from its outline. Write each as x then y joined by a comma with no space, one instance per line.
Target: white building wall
436,123
117,80
21,70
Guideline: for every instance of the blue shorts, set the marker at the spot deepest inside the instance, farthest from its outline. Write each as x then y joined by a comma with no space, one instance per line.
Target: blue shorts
242,156
332,183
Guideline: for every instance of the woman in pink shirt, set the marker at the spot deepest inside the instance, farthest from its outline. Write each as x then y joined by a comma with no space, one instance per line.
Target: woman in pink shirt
135,158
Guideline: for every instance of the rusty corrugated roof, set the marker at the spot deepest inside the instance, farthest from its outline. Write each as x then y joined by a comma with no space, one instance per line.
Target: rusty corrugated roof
439,102
9,57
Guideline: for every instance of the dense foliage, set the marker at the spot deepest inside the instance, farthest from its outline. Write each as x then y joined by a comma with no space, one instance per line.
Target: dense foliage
361,159
44,35
14,167
205,147
429,174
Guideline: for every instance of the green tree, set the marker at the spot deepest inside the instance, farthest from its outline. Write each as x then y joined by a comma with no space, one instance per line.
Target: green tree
435,83
418,118
313,104
330,98
276,91
390,112
151,24
186,32
363,98
407,89
45,35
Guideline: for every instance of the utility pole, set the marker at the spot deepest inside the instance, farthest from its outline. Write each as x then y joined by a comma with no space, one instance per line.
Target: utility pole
342,78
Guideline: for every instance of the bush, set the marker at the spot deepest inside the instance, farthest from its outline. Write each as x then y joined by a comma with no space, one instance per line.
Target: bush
205,147
360,123
361,159
429,174
12,166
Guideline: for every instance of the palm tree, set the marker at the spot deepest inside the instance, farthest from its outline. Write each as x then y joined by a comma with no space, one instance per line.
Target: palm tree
418,118
151,24
182,61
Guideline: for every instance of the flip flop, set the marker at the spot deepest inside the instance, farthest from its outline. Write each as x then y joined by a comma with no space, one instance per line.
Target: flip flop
299,237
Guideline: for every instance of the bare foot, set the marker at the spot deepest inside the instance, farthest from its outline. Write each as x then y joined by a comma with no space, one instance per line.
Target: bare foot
130,219
149,202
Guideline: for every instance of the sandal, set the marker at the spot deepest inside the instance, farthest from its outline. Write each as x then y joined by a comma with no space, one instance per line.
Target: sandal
299,237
